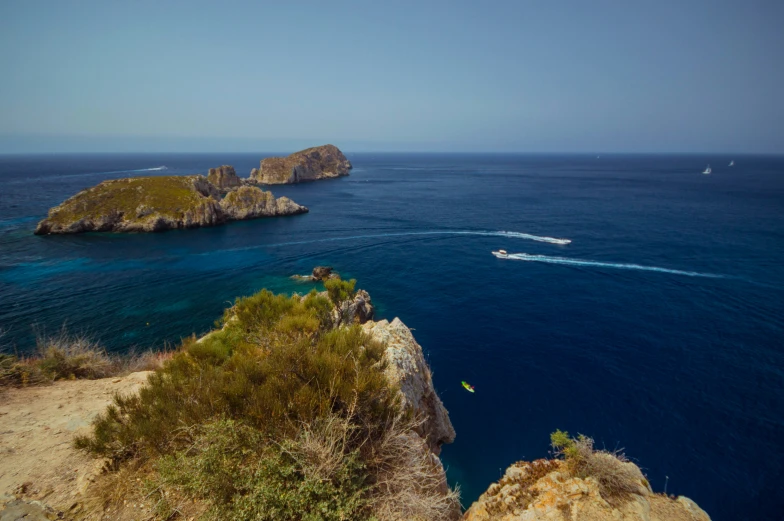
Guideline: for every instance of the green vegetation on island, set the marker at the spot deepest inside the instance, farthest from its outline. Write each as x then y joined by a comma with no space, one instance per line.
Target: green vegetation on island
157,203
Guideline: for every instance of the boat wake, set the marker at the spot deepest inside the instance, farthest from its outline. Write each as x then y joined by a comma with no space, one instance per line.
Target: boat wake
512,235
151,169
614,265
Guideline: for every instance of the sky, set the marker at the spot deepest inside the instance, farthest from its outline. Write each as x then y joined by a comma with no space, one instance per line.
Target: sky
451,76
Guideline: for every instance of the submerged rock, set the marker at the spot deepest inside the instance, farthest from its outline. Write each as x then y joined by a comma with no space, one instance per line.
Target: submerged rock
151,204
323,273
324,162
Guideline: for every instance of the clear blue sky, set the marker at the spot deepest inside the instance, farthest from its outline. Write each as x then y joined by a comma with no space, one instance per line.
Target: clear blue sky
527,76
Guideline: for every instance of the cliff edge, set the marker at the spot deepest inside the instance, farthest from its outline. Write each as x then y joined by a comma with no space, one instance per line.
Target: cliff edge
548,490
312,164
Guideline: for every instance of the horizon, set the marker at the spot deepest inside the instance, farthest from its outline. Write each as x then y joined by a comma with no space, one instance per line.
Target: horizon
566,77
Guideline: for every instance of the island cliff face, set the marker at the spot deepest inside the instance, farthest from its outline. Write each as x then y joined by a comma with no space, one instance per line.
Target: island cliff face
151,204
324,162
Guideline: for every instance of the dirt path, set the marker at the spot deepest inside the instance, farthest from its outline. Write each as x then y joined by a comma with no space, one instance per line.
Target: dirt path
37,427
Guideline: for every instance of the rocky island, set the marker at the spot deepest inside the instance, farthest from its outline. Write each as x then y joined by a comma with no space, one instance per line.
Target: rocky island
312,164
152,204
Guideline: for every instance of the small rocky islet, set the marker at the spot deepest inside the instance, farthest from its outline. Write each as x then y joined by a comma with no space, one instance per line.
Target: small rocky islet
159,203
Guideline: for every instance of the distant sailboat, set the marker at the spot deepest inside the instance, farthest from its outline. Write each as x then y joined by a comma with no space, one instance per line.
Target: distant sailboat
732,163
708,170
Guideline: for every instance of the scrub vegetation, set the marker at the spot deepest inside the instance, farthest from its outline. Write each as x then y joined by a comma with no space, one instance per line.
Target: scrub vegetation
276,415
618,478
66,356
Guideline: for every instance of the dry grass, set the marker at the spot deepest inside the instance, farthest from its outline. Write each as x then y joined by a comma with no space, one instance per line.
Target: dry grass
618,478
65,356
409,480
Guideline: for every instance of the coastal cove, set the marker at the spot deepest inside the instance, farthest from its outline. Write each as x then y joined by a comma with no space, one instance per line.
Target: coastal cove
683,371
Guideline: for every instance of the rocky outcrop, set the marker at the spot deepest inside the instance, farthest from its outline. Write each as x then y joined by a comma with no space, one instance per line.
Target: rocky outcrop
545,490
324,162
151,204
355,311
406,368
250,202
224,178
323,273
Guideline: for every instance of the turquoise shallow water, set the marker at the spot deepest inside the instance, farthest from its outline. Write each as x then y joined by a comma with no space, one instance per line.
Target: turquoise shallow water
659,328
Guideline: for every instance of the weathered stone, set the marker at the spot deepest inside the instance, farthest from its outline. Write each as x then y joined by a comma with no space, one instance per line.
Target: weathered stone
323,273
324,162
544,490
224,177
406,368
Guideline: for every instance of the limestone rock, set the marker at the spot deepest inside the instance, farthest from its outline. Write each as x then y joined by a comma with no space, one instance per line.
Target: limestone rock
151,204
407,369
224,177
358,310
544,490
250,202
323,273
323,162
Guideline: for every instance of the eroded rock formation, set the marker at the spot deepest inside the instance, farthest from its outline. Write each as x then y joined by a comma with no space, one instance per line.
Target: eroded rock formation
324,162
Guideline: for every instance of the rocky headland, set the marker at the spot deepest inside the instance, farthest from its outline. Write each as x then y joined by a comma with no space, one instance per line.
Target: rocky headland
152,204
312,164
44,475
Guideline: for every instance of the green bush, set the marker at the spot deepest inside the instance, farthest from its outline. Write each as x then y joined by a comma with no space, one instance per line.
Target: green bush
340,290
274,365
277,415
245,477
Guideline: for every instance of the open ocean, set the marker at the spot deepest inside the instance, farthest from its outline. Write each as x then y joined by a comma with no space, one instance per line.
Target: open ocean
659,329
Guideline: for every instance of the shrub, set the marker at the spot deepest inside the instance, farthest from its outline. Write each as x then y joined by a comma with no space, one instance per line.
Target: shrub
244,477
340,290
277,415
272,368
66,356
617,477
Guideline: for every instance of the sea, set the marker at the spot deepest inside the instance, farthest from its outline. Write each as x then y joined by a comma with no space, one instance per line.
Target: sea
658,330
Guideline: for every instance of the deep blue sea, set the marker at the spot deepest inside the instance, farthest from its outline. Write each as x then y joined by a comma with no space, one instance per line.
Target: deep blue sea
659,329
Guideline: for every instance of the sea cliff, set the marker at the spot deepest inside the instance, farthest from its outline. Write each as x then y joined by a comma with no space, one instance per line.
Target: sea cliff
312,164
151,204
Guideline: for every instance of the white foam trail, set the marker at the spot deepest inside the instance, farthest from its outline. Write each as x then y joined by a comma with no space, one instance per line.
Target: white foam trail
512,235
152,169
614,265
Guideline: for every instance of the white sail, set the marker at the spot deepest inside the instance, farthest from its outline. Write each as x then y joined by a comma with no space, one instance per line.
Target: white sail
732,163
707,170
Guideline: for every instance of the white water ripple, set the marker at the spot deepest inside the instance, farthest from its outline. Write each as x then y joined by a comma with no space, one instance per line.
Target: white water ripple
614,265
512,235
